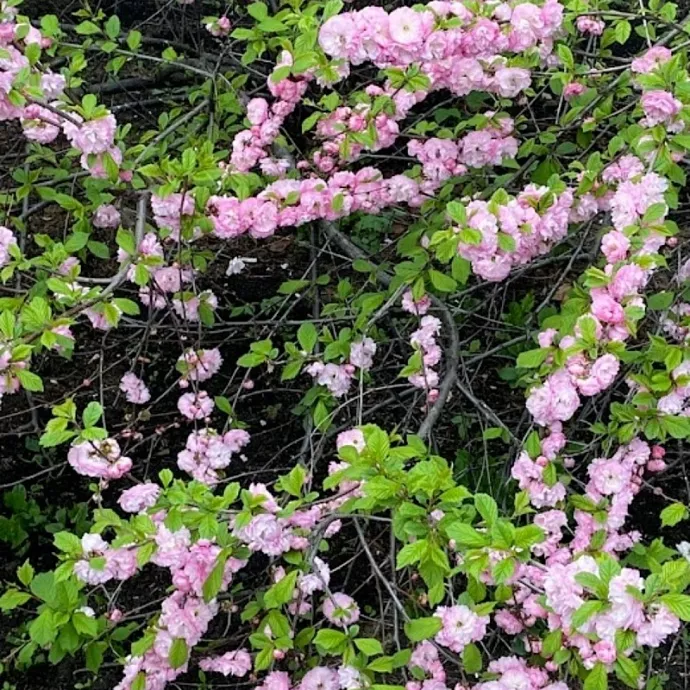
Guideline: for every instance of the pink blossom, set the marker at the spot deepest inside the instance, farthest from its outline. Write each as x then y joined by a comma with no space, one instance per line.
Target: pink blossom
336,378
352,437
7,240
139,497
206,452
220,27
95,136
236,663
199,365
407,27
340,609
362,353
604,370
615,246
648,62
257,111
659,106
658,627
512,80
267,534
188,306
572,90
555,400
508,622
276,680
606,309
99,459
460,627
338,36
195,405
106,216
418,307
589,25
320,678
135,389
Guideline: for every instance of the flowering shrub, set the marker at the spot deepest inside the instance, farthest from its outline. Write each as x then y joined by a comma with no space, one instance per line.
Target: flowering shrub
267,439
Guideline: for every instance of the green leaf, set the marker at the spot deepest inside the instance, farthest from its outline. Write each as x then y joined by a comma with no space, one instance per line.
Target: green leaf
92,413
43,586
552,643
457,213
673,514
441,281
472,658
84,624
94,655
43,630
660,301
29,380
622,31
597,679
383,664
13,598
251,359
679,604
627,671
214,581
331,8
290,287
99,249
87,29
293,481
585,612
487,508
677,427
310,122
528,536
460,269
422,628
223,404
654,212
281,592
411,553
566,56
466,535
68,543
178,654
258,10
307,336
25,573
532,358
369,645
291,370
139,681
504,569
7,324
112,27
330,639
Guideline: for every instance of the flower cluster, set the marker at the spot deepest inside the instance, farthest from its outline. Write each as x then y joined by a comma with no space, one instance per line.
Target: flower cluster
424,342
504,233
198,365
206,452
338,377
102,459
237,663
448,56
615,306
